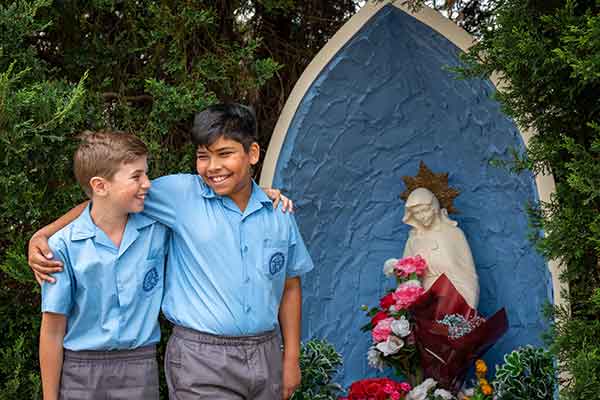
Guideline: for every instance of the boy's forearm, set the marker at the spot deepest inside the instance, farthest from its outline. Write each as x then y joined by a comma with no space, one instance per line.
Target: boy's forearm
51,357
290,314
62,221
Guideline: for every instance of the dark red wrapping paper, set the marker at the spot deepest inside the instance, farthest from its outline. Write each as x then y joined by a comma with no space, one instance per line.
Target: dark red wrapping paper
448,360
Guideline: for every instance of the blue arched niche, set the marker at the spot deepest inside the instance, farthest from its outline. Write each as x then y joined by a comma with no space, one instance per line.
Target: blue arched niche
384,102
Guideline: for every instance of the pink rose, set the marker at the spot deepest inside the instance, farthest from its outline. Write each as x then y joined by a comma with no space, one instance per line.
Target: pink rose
395,396
389,387
405,387
409,265
382,330
405,295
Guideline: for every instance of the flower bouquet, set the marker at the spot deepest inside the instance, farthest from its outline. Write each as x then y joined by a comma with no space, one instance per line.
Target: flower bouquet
450,334
433,334
377,389
391,327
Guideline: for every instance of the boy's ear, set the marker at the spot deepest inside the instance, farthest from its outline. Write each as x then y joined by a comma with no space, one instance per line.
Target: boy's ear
99,185
254,153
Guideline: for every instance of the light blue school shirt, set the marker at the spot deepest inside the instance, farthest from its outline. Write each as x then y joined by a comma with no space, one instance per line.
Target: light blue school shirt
226,269
111,296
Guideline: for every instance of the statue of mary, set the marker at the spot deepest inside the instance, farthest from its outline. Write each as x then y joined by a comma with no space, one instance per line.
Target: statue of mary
439,240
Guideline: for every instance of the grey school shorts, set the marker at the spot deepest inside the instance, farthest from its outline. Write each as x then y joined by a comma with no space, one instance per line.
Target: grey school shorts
204,366
114,375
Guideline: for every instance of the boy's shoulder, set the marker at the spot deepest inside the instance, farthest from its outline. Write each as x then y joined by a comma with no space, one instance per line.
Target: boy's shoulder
80,228
166,185
278,213
65,237
282,221
177,179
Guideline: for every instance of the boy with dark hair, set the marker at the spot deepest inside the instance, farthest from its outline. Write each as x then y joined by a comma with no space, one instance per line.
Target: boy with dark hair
104,308
233,270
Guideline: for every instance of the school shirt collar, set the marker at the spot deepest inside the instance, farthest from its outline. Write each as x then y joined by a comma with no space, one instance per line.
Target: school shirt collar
258,198
84,228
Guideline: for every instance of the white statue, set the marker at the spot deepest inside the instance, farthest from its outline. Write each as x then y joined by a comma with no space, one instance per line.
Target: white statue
437,239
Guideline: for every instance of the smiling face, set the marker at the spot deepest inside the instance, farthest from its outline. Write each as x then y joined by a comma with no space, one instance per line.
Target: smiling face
127,189
225,167
424,214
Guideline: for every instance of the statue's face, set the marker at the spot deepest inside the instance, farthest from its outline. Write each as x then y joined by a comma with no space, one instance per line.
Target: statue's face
424,214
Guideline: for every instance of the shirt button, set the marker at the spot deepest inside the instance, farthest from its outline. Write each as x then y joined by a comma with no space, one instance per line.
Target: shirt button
247,279
248,308
245,249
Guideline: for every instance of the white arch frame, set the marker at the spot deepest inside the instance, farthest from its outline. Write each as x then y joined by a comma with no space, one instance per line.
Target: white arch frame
459,37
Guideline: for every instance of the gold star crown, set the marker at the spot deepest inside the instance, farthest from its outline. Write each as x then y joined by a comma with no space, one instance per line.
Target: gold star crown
437,183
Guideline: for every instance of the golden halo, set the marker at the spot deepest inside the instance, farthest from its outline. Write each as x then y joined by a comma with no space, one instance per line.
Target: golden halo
437,183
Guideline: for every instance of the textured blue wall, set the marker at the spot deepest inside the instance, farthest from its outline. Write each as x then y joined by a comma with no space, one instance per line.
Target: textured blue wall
383,103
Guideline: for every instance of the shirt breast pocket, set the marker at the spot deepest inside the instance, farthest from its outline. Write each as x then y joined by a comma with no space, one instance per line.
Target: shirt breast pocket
275,254
151,275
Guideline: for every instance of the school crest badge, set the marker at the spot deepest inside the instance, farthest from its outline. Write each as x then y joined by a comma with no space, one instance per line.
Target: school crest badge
276,263
150,280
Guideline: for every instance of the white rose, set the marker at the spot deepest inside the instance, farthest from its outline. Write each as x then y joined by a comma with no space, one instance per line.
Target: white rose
401,327
391,346
374,358
388,266
444,394
417,394
420,392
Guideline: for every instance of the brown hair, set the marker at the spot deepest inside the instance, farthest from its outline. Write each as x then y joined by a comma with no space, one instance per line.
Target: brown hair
102,153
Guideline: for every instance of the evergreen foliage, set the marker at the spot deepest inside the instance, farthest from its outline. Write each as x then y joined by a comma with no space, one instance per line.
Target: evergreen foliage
142,66
547,55
527,374
319,362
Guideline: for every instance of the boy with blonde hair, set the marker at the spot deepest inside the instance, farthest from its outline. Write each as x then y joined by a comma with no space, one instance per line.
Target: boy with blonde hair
100,319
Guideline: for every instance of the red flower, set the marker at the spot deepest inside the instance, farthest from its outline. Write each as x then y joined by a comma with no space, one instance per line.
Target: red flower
376,389
381,315
387,301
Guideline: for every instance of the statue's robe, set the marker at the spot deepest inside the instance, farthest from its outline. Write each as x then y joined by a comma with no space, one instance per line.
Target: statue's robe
446,251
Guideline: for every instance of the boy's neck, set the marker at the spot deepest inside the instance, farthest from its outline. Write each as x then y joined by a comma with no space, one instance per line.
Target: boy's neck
109,221
242,196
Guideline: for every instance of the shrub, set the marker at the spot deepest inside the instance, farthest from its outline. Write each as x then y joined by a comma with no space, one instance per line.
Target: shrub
546,53
319,361
66,66
527,374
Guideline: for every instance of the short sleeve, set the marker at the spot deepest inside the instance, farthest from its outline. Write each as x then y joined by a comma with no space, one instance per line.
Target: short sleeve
161,201
299,258
58,297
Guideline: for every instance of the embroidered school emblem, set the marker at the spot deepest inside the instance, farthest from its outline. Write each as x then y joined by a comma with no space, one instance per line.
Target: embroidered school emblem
150,280
276,263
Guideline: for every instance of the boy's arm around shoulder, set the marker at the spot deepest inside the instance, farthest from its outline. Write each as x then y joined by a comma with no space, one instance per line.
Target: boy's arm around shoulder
39,255
287,205
164,196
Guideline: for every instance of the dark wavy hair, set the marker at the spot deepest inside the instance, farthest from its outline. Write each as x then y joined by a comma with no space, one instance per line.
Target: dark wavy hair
232,121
